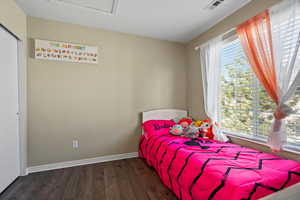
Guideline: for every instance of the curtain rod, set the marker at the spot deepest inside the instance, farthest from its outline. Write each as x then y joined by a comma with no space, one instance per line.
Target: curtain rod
230,30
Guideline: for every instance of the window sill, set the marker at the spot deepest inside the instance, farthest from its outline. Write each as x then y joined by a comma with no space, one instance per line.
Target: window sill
263,142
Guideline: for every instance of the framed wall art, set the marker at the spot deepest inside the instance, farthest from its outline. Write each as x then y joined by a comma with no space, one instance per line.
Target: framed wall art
67,52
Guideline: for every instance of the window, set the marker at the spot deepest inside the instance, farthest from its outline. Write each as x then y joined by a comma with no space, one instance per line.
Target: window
246,109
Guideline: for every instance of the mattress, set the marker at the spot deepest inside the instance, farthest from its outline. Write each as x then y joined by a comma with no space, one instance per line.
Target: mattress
200,168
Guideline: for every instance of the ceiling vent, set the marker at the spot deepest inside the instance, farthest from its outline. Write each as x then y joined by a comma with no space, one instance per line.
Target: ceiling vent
214,4
102,6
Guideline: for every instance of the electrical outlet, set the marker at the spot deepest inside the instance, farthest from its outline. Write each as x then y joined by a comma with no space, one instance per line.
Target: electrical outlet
75,144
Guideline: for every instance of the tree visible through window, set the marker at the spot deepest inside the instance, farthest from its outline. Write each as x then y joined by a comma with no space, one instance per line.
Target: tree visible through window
246,109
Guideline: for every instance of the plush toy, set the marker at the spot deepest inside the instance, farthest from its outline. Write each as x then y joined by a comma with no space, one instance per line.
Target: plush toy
176,130
177,119
198,123
191,131
185,122
207,129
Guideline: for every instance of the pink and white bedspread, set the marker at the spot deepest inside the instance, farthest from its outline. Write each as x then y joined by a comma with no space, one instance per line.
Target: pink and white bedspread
199,169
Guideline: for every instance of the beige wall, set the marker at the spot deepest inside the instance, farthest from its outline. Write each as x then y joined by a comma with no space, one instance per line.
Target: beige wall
194,84
99,105
14,19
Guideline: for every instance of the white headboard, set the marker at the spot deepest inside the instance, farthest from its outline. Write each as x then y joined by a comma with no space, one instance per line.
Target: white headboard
163,114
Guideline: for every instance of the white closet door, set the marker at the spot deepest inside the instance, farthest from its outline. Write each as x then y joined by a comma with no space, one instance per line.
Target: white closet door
9,106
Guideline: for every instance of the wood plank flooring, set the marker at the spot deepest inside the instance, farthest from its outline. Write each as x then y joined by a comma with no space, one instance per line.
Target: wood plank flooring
129,179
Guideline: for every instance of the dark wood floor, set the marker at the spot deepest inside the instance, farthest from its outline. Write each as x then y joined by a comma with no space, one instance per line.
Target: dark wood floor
129,179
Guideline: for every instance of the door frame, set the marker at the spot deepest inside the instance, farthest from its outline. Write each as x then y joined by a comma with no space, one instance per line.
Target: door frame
22,83
22,99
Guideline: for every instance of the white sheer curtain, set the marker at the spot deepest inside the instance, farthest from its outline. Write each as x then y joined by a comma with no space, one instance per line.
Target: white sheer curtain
285,26
210,57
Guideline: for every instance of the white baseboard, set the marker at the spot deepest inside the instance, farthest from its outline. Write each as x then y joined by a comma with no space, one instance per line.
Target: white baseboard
74,163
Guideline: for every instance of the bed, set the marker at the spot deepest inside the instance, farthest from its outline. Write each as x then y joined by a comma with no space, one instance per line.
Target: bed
201,168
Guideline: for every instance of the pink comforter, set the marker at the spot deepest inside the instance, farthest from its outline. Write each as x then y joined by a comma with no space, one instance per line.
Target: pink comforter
207,169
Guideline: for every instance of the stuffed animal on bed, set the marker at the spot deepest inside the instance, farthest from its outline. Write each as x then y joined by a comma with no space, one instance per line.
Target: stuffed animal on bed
198,123
185,122
176,130
177,119
191,131
206,129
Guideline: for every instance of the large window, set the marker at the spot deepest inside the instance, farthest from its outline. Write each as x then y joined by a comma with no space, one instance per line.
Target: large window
246,109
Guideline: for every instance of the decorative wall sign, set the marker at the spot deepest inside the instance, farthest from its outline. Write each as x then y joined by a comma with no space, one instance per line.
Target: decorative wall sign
68,52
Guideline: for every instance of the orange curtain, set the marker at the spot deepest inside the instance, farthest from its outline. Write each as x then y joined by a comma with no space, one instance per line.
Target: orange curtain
256,39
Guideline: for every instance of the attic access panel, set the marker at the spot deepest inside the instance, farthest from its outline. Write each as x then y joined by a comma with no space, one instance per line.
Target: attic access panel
104,6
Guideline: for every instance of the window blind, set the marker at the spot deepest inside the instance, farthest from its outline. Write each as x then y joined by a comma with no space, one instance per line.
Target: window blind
246,109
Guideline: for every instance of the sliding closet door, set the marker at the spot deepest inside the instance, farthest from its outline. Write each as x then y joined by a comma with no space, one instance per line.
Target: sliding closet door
9,123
